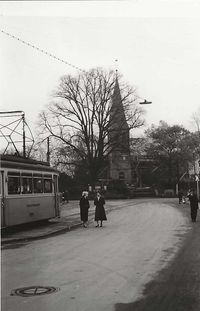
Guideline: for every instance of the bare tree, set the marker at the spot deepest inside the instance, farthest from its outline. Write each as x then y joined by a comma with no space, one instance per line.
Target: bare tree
80,120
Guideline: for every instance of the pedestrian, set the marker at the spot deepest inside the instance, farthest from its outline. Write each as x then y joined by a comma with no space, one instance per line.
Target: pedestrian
184,200
65,196
193,204
100,214
180,197
84,207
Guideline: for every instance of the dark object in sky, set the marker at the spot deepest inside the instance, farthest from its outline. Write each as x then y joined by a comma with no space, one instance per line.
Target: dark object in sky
145,102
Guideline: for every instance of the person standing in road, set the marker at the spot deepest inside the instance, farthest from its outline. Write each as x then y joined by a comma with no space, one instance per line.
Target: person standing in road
84,207
193,204
100,214
180,196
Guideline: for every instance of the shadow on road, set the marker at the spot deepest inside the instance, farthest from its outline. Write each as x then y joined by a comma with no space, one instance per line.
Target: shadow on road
177,287
25,227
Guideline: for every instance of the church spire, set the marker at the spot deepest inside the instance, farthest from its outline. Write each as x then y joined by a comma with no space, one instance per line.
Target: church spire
119,129
118,136
117,110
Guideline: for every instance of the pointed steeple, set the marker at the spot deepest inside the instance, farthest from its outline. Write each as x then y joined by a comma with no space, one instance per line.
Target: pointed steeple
119,130
117,110
118,136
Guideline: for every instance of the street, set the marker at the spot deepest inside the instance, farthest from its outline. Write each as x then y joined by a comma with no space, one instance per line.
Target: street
109,268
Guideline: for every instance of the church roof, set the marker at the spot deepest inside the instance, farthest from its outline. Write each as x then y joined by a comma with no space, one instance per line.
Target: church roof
117,109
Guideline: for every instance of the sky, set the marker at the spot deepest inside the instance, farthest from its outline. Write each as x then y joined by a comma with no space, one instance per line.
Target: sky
155,42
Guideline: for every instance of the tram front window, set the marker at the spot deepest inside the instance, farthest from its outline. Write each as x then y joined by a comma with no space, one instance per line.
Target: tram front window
27,186
37,185
47,185
13,185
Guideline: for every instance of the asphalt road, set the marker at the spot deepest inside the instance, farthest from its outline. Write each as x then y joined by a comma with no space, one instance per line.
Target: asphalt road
177,286
146,257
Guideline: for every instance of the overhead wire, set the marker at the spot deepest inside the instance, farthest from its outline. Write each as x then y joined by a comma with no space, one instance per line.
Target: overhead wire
47,54
51,55
40,50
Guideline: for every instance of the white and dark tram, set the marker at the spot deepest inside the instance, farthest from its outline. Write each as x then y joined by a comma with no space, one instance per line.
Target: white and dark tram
28,191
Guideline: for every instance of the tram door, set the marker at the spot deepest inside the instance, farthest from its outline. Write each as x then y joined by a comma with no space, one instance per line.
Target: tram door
2,199
56,195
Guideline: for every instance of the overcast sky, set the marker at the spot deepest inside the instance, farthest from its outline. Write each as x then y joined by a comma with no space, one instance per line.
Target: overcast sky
156,43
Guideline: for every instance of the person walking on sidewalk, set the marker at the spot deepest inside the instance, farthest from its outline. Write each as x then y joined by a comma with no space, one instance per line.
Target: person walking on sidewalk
193,204
65,196
100,214
84,207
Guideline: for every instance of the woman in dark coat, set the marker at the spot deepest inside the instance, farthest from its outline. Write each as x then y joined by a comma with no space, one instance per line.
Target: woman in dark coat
100,214
193,205
84,206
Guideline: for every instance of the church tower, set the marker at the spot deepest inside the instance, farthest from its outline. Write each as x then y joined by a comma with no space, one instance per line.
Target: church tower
119,158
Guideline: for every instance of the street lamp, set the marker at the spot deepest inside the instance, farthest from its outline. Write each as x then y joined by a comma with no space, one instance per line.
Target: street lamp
145,102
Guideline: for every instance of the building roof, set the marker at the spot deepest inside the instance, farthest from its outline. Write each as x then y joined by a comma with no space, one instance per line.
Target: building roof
117,114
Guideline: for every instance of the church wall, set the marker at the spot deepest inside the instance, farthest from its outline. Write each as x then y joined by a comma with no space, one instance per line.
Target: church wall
120,163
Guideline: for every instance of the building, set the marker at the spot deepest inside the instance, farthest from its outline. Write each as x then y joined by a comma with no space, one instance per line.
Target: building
122,164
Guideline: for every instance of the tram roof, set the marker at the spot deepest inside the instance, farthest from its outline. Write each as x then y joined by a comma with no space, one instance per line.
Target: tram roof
12,161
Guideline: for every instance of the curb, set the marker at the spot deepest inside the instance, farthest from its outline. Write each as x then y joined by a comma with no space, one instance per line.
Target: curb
41,236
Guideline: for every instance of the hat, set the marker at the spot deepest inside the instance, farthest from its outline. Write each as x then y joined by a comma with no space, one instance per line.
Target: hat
85,193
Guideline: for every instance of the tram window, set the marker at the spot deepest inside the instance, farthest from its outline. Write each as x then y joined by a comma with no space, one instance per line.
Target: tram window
27,186
47,175
26,174
13,185
47,185
38,185
37,175
13,173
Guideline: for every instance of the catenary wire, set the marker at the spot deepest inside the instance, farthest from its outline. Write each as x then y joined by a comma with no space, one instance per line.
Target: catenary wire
40,50
48,54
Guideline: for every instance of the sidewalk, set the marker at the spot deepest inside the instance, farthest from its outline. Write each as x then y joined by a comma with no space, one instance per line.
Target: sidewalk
68,220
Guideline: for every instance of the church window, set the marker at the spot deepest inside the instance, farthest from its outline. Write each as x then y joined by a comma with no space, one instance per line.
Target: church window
121,175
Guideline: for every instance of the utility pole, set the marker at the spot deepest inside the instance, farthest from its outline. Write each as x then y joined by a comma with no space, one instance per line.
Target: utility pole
196,175
24,136
197,181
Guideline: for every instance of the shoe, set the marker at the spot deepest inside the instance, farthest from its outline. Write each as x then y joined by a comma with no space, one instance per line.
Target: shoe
97,226
101,225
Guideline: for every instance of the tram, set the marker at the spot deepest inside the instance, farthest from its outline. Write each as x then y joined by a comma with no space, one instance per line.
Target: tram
28,191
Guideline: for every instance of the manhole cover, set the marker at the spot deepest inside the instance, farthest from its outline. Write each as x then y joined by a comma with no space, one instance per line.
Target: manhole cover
33,291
